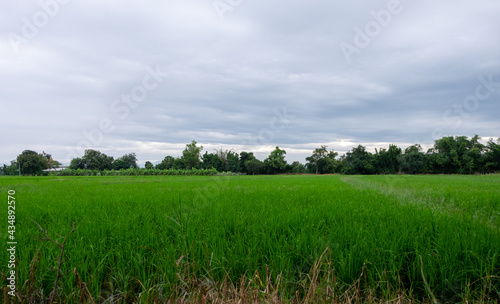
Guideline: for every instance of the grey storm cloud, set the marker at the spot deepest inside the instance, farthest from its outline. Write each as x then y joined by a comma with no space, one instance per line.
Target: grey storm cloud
245,75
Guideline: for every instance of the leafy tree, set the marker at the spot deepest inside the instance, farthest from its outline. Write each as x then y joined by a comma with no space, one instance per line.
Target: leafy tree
212,161
77,163
244,157
413,160
93,160
12,169
341,164
228,160
318,154
275,163
127,161
388,161
148,165
191,155
358,161
233,162
298,168
330,163
223,155
254,166
167,163
451,155
180,164
473,160
31,163
492,156
322,161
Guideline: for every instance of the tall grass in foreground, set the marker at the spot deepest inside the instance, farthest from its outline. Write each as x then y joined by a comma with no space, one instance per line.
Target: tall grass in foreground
271,238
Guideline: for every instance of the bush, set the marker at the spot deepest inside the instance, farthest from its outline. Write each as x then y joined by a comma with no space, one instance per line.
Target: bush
136,172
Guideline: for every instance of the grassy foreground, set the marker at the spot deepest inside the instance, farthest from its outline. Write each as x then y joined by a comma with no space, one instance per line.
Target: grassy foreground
239,239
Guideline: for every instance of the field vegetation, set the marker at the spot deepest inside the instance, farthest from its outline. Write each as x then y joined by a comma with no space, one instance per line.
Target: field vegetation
240,239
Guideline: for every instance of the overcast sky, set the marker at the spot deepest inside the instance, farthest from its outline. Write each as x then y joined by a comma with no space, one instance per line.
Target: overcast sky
150,76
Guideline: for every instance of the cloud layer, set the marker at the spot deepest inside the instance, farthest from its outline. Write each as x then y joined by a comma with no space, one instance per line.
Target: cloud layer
249,75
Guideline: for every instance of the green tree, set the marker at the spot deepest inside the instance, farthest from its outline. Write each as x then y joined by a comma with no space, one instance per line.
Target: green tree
413,161
12,169
211,160
492,156
459,154
298,168
233,162
313,160
244,157
77,163
358,161
322,161
93,160
180,164
254,166
388,161
127,161
31,163
167,163
148,165
275,163
223,156
191,155
228,159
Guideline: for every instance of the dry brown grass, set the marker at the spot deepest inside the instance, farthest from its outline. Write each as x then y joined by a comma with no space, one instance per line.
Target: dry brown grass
320,286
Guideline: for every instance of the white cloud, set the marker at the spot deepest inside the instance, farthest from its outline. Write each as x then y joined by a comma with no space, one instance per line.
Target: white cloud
226,78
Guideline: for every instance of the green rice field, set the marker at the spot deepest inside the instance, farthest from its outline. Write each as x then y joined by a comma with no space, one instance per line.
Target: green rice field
241,239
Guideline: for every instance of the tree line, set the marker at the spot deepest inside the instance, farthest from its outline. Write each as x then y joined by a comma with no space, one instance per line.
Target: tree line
449,155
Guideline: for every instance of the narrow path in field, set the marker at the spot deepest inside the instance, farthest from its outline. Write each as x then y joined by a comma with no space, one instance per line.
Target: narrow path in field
434,193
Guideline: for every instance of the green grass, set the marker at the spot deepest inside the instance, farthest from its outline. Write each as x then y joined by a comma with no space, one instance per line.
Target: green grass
161,237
